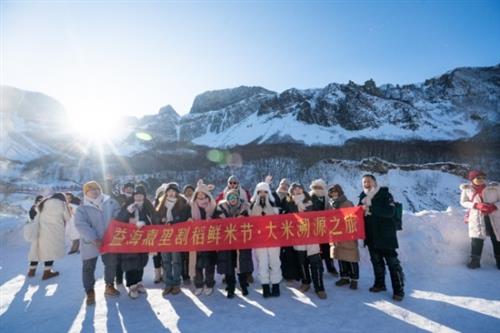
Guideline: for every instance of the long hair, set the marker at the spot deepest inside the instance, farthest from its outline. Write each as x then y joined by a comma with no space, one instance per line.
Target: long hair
179,204
58,196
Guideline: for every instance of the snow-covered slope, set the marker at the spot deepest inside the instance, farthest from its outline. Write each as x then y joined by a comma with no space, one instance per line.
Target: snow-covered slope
442,295
31,124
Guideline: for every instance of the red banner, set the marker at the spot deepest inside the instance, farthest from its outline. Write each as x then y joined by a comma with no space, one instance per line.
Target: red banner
237,233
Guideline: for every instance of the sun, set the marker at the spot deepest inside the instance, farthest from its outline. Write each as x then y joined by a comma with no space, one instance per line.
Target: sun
95,130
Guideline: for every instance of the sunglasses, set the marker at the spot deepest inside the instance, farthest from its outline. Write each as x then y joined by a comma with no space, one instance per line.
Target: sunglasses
233,183
481,177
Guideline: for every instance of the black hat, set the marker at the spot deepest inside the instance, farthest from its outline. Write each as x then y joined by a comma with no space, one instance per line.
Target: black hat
172,186
139,189
188,186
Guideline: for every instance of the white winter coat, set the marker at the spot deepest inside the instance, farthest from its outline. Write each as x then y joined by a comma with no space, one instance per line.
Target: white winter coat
491,194
50,242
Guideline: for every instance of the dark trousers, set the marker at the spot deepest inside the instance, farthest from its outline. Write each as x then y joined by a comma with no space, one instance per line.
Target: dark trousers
46,263
134,276
231,280
119,271
325,255
381,257
349,269
477,243
305,274
205,277
311,269
157,260
185,266
289,263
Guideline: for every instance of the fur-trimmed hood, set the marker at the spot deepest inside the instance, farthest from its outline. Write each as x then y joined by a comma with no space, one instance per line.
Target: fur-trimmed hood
468,186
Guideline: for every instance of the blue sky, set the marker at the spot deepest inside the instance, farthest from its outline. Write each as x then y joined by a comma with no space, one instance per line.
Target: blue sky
132,57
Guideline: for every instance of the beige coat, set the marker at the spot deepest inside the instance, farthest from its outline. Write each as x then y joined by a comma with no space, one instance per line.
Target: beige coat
491,194
346,251
50,242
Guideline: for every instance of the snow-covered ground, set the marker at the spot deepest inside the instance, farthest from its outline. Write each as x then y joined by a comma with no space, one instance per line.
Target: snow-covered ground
442,294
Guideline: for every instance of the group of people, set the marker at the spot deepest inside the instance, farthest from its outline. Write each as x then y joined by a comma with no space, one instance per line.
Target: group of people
87,221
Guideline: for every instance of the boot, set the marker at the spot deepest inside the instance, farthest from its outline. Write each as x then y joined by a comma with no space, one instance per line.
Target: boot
90,298
176,290
208,291
398,296
230,292
231,286
141,289
48,274
498,261
321,294
304,287
166,291
342,282
266,291
474,262
244,290
133,292
330,267
75,246
31,272
243,279
275,290
110,290
354,284
158,277
377,289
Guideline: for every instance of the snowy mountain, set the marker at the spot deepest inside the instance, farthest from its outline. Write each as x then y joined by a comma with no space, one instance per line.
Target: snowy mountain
442,295
31,124
456,105
452,119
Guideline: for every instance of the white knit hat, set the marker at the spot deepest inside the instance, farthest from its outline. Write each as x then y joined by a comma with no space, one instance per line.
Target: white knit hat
319,183
263,186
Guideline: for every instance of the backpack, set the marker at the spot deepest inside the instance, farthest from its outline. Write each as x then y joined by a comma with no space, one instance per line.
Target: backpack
398,215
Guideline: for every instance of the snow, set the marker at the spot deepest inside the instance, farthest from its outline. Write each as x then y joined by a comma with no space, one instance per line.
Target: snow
261,128
442,295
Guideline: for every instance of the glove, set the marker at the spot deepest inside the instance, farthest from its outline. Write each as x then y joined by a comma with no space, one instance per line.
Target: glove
140,224
131,208
480,206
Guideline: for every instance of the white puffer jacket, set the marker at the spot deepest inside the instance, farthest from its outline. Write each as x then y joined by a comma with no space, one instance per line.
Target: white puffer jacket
491,194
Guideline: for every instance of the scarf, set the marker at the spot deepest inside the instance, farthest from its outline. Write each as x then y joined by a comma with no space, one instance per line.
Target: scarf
207,204
97,202
339,201
367,201
169,204
261,208
478,190
299,202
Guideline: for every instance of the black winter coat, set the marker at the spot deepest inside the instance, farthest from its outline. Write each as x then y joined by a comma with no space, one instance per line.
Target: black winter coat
379,225
227,260
206,259
135,261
